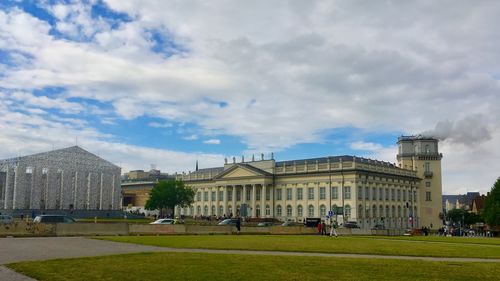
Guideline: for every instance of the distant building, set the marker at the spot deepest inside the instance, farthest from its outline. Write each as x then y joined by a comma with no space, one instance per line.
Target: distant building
64,179
461,201
357,189
136,186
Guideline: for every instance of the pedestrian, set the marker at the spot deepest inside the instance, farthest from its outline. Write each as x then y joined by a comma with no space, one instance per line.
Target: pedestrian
319,228
238,225
333,229
323,228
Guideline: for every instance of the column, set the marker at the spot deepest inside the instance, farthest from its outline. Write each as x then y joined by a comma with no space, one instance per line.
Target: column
100,192
234,201
209,201
8,182
263,201
217,201
271,191
224,206
254,205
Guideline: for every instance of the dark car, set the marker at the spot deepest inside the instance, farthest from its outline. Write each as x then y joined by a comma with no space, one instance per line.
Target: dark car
265,223
290,223
378,227
351,224
53,219
228,222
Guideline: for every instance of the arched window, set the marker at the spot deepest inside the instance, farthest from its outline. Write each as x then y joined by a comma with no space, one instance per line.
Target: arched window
399,211
360,211
322,211
213,210
374,211
367,212
268,210
393,213
381,210
387,211
230,210
288,211
300,211
205,211
347,211
198,210
221,210
257,211
279,211
311,211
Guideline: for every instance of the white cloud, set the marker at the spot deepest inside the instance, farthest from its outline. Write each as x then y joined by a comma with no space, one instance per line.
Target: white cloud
286,73
212,141
159,125
190,137
370,146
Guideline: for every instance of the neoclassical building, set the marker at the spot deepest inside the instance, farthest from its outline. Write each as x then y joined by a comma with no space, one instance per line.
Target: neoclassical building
356,189
64,179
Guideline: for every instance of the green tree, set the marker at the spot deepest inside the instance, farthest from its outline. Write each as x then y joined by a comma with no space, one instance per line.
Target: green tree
168,194
491,211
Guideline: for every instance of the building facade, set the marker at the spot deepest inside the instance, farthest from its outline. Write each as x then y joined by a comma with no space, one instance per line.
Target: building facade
368,191
65,179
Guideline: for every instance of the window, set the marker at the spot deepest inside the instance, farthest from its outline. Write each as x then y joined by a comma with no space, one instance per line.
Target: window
374,211
249,194
393,195
387,212
374,193
268,194
367,193
268,210
393,212
221,195
404,194
310,193
288,194
427,184
221,210
205,211
399,195
257,211
387,194
213,210
335,192
300,194
230,195
427,166
205,196
198,210
198,196
347,211
257,193
278,211
288,211
311,211
322,211
380,194
347,192
381,210
300,211
213,196
428,196
238,194
399,211
414,196
322,193
360,211
278,194
360,192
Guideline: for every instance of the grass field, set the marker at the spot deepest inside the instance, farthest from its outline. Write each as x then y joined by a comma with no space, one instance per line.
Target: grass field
196,266
322,244
116,220
441,239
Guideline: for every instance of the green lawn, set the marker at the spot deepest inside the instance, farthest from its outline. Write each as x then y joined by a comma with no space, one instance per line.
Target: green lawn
454,239
311,243
197,266
116,220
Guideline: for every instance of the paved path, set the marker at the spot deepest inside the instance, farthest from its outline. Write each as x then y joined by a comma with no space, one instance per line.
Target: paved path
30,249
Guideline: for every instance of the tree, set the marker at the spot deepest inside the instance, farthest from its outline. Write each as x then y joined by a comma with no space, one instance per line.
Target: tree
168,194
491,211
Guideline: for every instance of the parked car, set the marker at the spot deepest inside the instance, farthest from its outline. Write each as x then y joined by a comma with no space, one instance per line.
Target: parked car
5,219
164,221
265,223
228,222
290,223
351,224
53,219
378,227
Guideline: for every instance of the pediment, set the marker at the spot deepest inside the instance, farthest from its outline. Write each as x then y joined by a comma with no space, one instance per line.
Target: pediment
242,171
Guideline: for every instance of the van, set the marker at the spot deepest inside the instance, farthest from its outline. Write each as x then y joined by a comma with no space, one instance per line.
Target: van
53,219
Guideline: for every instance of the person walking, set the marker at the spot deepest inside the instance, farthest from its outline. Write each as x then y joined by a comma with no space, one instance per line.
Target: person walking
323,228
319,228
238,225
333,229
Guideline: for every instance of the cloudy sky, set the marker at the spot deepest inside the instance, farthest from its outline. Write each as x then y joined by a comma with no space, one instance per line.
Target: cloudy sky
171,82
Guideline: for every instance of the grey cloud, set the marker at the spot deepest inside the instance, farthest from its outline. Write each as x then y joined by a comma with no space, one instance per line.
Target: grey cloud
472,130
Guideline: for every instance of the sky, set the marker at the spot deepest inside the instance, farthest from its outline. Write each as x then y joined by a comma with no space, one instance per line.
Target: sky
170,83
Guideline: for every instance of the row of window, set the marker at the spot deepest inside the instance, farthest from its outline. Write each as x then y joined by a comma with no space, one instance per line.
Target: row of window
402,211
387,194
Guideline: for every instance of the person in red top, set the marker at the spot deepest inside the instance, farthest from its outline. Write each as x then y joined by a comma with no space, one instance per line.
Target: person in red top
319,228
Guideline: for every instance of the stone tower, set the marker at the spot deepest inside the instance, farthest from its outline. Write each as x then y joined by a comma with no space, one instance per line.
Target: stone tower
421,154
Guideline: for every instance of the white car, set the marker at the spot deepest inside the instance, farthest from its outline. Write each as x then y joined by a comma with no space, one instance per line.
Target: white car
164,221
